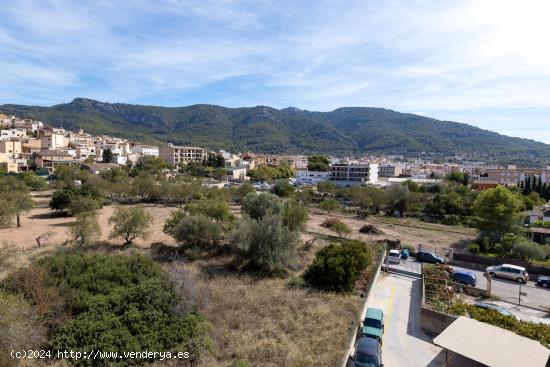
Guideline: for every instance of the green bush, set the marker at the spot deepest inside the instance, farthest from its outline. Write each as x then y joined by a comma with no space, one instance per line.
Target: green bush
120,303
337,266
451,220
531,330
258,205
197,231
266,244
473,248
336,225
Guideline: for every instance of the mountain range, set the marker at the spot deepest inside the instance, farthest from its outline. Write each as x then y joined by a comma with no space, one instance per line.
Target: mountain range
347,130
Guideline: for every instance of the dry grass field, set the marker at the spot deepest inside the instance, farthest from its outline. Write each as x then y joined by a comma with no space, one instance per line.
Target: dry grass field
262,321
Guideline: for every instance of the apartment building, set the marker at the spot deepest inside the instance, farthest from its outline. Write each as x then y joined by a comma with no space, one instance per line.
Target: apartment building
353,174
389,170
12,148
511,176
176,155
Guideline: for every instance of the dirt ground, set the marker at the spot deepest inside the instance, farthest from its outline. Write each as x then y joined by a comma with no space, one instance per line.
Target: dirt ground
408,231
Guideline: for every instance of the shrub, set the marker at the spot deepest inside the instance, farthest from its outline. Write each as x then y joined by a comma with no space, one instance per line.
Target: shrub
216,209
527,251
473,248
282,189
295,215
337,266
329,222
21,328
266,244
451,220
257,206
197,231
329,205
121,303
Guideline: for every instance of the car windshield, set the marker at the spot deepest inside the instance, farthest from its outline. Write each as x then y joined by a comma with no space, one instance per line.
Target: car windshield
372,323
394,254
366,360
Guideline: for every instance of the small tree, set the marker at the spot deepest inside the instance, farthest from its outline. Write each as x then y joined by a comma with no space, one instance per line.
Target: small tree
257,206
130,223
14,204
107,156
317,163
266,244
497,211
398,199
295,215
341,228
245,189
197,231
282,189
85,229
527,251
217,210
329,205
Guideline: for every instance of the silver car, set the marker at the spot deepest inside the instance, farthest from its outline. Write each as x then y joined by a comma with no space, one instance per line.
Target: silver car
513,272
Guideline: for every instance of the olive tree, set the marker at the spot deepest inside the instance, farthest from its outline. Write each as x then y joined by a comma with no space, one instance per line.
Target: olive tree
130,223
85,229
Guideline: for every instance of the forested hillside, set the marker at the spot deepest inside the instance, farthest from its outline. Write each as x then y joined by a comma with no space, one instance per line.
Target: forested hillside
290,130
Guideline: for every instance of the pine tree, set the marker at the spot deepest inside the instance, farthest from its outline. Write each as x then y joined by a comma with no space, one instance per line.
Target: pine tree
528,186
539,185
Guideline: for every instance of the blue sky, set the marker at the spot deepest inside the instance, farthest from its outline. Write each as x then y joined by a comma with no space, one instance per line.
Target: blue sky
486,63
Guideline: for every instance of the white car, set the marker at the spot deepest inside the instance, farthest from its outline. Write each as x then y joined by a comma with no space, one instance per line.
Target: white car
394,256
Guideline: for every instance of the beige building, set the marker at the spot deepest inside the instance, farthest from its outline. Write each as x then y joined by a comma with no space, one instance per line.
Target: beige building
389,170
353,174
31,145
511,176
53,141
176,155
10,147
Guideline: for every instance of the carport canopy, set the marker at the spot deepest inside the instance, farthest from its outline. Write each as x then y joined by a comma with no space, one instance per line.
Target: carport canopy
491,345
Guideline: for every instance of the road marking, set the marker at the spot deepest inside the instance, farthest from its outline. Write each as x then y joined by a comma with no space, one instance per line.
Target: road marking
389,310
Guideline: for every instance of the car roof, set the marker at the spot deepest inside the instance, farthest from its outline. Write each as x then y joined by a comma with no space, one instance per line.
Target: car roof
374,313
464,272
513,266
368,346
492,307
394,251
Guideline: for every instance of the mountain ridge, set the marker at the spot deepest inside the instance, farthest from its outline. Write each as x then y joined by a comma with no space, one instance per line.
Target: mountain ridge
345,130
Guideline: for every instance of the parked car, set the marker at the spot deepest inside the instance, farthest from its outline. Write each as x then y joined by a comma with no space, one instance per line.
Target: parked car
544,281
429,257
464,277
490,306
404,254
508,271
373,324
368,353
394,256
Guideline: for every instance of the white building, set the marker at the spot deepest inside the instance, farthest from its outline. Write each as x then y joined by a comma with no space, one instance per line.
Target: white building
353,174
12,134
311,177
149,150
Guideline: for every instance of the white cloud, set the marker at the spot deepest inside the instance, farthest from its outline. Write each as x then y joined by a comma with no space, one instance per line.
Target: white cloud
441,57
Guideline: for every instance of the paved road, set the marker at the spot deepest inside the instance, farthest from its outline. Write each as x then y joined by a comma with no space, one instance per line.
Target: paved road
404,343
509,291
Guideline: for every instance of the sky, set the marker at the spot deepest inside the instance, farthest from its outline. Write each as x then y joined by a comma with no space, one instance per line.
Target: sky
482,62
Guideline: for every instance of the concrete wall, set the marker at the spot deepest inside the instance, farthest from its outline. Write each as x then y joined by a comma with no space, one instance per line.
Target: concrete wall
433,322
